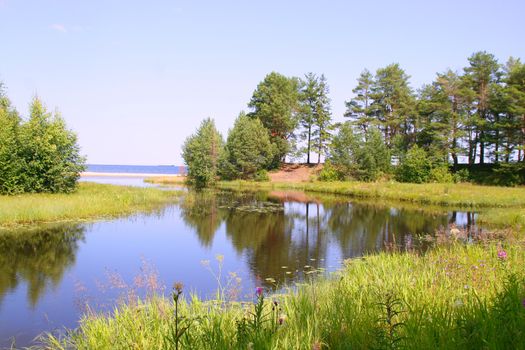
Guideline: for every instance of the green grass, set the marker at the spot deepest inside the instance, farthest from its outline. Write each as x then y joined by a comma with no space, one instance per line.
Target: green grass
502,207
166,180
90,201
453,297
459,195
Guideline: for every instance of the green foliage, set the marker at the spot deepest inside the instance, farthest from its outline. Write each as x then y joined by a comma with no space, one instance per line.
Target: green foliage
359,108
414,167
40,155
314,115
363,157
452,297
329,173
248,150
441,174
393,103
201,152
275,104
261,176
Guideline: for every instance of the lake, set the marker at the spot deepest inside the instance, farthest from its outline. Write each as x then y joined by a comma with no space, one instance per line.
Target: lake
48,274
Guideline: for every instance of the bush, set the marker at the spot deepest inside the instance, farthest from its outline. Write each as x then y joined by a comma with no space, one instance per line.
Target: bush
201,152
414,166
441,174
261,176
40,155
461,175
329,173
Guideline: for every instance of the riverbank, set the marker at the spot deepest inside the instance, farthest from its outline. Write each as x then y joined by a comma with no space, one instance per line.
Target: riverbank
498,206
453,297
90,201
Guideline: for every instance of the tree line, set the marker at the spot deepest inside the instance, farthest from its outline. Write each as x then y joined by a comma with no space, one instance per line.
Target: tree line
37,154
462,123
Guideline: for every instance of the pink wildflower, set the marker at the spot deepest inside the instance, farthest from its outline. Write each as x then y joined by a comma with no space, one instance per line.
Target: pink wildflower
502,254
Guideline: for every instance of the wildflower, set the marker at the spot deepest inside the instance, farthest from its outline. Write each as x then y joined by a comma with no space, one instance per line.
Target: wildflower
502,254
177,287
523,303
281,319
259,291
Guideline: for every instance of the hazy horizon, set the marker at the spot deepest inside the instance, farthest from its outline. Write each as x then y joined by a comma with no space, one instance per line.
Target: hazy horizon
134,78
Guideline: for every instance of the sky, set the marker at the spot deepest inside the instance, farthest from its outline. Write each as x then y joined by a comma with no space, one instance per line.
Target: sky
134,78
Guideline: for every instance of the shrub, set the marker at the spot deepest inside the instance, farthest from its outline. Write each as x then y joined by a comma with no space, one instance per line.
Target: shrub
261,176
414,166
329,173
441,174
40,155
201,152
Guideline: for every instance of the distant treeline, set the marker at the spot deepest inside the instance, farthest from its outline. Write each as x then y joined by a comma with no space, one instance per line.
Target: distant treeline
474,117
38,154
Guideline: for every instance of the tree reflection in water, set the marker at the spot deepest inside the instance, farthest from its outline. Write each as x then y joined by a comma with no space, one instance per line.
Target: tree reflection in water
286,234
38,257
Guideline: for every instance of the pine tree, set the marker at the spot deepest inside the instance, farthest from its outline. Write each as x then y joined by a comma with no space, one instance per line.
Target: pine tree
394,105
482,73
358,109
314,114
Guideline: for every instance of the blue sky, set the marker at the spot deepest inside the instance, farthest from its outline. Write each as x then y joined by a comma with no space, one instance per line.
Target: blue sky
134,78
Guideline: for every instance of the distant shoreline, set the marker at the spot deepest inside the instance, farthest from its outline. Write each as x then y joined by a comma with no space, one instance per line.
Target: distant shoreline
98,174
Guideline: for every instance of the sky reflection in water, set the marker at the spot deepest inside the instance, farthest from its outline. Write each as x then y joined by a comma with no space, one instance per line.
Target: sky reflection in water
48,273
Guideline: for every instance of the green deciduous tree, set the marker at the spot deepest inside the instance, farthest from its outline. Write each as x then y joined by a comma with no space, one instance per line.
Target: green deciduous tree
275,104
201,152
248,149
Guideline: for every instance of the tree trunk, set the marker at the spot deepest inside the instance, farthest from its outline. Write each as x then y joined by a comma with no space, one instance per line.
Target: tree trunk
482,147
309,138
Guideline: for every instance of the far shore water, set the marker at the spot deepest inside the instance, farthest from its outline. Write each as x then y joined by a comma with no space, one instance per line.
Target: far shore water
98,174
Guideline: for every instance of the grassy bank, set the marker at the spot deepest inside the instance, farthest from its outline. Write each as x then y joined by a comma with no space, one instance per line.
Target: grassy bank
461,195
90,201
497,206
166,180
454,297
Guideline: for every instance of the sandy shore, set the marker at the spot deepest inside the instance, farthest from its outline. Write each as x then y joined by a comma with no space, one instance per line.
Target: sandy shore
94,174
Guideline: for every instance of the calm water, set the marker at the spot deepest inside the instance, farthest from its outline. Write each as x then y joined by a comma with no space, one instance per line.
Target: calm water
137,169
48,273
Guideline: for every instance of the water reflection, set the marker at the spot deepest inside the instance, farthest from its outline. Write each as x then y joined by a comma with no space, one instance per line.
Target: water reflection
37,257
270,238
286,234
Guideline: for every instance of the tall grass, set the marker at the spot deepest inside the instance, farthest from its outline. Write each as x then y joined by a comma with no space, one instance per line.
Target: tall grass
461,194
166,180
453,297
88,202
